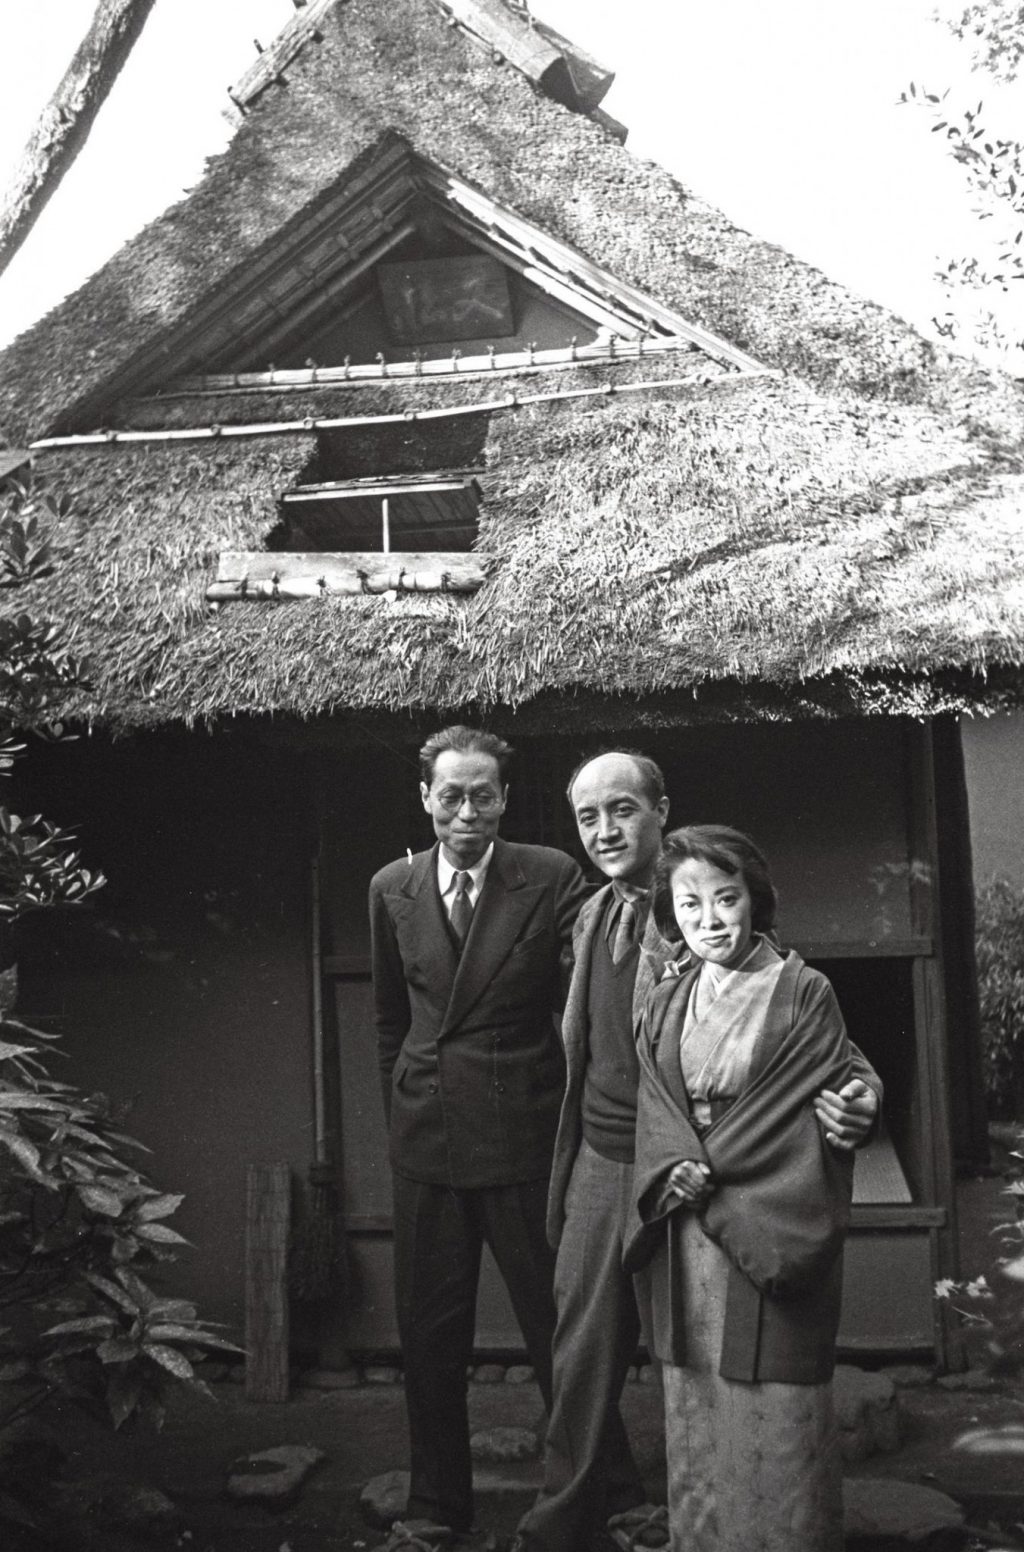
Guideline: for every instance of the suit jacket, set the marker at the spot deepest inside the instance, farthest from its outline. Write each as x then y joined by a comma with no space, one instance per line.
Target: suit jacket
655,952
470,1060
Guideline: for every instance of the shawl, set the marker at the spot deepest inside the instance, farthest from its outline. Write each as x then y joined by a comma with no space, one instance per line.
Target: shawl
781,1205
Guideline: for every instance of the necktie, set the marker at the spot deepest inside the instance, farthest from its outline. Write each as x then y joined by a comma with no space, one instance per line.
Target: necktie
625,932
462,907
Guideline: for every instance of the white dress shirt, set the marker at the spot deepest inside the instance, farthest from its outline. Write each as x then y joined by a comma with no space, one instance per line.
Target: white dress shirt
446,877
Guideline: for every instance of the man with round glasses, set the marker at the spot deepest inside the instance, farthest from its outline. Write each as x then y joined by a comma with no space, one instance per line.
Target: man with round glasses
471,950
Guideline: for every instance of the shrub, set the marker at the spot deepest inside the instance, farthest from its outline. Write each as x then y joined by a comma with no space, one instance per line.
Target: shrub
80,1225
1000,953
996,1308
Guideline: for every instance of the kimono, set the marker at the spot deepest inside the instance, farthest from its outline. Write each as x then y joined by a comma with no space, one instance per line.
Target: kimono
746,1291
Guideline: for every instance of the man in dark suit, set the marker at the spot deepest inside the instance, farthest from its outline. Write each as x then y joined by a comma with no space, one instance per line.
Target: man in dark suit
471,947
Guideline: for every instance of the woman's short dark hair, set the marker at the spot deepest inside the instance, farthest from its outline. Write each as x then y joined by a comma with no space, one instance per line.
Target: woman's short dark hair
464,740
724,848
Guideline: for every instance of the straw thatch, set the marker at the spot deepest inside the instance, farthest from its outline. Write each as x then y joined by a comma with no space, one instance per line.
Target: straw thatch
847,537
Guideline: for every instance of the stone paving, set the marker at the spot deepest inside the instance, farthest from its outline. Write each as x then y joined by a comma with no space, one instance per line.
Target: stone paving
923,1458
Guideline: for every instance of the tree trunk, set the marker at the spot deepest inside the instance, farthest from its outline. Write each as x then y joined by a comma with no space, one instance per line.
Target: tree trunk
64,124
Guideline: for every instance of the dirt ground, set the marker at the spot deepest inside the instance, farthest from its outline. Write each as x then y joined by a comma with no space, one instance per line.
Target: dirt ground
967,1442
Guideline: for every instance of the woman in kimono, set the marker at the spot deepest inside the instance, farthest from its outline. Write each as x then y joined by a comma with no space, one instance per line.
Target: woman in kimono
741,1208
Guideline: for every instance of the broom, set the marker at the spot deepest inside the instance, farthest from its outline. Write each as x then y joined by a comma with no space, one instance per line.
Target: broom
318,1268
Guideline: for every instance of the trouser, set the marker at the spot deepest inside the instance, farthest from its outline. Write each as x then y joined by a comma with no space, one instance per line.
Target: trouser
439,1237
589,1470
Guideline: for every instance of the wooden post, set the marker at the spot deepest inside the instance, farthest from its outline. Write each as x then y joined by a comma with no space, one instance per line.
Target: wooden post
267,1221
931,1031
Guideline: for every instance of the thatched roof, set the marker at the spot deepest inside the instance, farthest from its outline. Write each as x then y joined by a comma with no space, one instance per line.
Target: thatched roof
845,536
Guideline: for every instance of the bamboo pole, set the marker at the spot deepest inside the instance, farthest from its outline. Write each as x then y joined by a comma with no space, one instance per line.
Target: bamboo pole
314,423
358,374
64,124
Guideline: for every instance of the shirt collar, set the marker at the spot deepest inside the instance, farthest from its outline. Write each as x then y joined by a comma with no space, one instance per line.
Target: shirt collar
629,892
446,873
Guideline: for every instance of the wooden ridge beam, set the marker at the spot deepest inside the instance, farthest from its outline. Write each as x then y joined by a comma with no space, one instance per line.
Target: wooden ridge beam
269,65
524,48
591,80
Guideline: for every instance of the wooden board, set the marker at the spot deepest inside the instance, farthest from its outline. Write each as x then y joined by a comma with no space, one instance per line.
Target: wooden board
259,574
267,1221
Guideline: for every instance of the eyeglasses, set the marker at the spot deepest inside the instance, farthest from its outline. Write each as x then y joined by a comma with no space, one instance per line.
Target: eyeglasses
482,799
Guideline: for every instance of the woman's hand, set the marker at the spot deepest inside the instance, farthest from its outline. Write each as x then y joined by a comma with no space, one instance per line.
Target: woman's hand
691,1182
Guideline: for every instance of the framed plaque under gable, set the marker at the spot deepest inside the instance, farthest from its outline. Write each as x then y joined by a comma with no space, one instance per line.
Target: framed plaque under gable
446,299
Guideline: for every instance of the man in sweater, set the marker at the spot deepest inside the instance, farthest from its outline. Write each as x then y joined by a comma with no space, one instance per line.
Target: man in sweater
590,1477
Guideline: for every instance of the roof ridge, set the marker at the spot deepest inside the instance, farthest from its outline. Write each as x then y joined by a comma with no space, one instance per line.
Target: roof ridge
270,62
554,64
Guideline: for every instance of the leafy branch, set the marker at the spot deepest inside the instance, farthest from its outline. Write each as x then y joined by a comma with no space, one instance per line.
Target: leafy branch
997,1309
993,167
81,1228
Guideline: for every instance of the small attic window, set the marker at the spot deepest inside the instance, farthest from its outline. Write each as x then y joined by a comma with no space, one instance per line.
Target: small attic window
428,513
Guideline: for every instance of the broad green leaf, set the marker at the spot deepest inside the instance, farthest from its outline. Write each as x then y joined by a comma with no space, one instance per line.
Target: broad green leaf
144,1297
28,1157
111,1290
159,1207
170,1359
172,1309
160,1234
87,1323
10,1100
119,1349
192,1334
99,1199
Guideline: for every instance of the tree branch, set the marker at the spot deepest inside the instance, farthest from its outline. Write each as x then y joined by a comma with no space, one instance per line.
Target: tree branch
65,122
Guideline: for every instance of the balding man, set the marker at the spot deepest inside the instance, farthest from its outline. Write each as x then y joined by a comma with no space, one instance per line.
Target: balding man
590,1476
